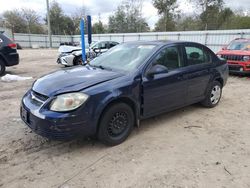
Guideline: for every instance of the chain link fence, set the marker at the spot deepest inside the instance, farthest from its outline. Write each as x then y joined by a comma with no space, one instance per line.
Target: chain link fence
215,39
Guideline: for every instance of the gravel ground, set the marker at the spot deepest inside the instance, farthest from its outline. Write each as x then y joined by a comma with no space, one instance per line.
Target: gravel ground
190,147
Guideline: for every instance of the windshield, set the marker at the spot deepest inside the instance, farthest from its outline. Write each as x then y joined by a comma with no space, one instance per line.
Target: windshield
124,57
93,44
239,45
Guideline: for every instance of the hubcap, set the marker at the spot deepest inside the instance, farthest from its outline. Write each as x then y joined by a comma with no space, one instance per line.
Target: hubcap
215,94
118,124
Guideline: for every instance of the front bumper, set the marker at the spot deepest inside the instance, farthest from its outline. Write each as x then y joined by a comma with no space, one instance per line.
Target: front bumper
238,69
67,60
12,59
54,125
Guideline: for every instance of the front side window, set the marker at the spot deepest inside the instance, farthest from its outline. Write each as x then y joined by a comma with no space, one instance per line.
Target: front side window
100,45
196,55
169,57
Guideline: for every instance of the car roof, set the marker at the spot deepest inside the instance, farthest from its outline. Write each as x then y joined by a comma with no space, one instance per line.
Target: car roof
242,39
161,42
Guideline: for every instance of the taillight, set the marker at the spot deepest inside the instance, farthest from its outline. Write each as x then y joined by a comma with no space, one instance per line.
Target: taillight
12,45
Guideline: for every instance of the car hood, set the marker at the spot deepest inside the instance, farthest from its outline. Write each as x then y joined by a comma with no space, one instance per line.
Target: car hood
72,80
234,52
72,49
68,49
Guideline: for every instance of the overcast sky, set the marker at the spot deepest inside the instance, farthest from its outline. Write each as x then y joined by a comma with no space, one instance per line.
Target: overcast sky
107,7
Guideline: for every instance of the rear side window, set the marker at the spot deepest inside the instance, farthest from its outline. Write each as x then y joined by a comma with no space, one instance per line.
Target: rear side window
196,55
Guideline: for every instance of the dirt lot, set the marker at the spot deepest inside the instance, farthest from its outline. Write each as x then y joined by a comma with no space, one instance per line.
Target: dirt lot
163,152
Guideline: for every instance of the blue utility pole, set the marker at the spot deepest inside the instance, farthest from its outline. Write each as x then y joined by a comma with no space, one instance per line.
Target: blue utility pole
83,40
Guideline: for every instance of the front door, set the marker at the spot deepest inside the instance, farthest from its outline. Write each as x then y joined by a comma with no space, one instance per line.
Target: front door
166,91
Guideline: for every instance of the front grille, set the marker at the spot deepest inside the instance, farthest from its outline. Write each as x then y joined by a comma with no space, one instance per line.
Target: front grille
37,98
233,57
235,68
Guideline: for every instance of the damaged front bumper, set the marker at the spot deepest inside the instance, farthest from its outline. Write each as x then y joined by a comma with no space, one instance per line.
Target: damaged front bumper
66,60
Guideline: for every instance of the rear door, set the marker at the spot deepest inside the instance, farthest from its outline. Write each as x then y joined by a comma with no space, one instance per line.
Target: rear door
166,91
199,63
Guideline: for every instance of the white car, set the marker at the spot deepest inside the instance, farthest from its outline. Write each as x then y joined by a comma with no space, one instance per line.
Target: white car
72,55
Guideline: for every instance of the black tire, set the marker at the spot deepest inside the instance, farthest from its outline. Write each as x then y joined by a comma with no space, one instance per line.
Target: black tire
211,101
116,124
78,60
2,68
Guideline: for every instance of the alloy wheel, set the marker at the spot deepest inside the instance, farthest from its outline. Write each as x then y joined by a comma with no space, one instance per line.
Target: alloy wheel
215,94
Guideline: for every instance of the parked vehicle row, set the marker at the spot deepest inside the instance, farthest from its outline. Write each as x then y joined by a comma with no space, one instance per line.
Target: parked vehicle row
72,55
130,82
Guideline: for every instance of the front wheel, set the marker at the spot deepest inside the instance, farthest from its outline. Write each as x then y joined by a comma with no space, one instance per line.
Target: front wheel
213,95
78,60
116,124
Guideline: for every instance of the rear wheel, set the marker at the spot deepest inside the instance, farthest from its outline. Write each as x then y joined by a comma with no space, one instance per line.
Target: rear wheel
116,124
2,68
213,95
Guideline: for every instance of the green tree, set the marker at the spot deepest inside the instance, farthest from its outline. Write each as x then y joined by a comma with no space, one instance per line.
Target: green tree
188,23
167,11
118,22
76,18
210,15
14,20
56,19
239,22
209,18
204,4
98,28
225,18
32,20
128,18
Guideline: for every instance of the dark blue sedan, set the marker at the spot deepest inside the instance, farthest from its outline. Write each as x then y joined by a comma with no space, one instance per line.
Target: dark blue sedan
131,82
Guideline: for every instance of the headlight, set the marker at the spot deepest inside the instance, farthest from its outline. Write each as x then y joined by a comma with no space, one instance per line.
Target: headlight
246,58
68,102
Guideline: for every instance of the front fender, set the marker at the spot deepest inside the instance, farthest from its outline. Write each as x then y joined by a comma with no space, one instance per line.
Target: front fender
77,53
112,97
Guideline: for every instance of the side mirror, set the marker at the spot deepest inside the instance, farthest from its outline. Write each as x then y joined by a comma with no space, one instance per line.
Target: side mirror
157,69
97,50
